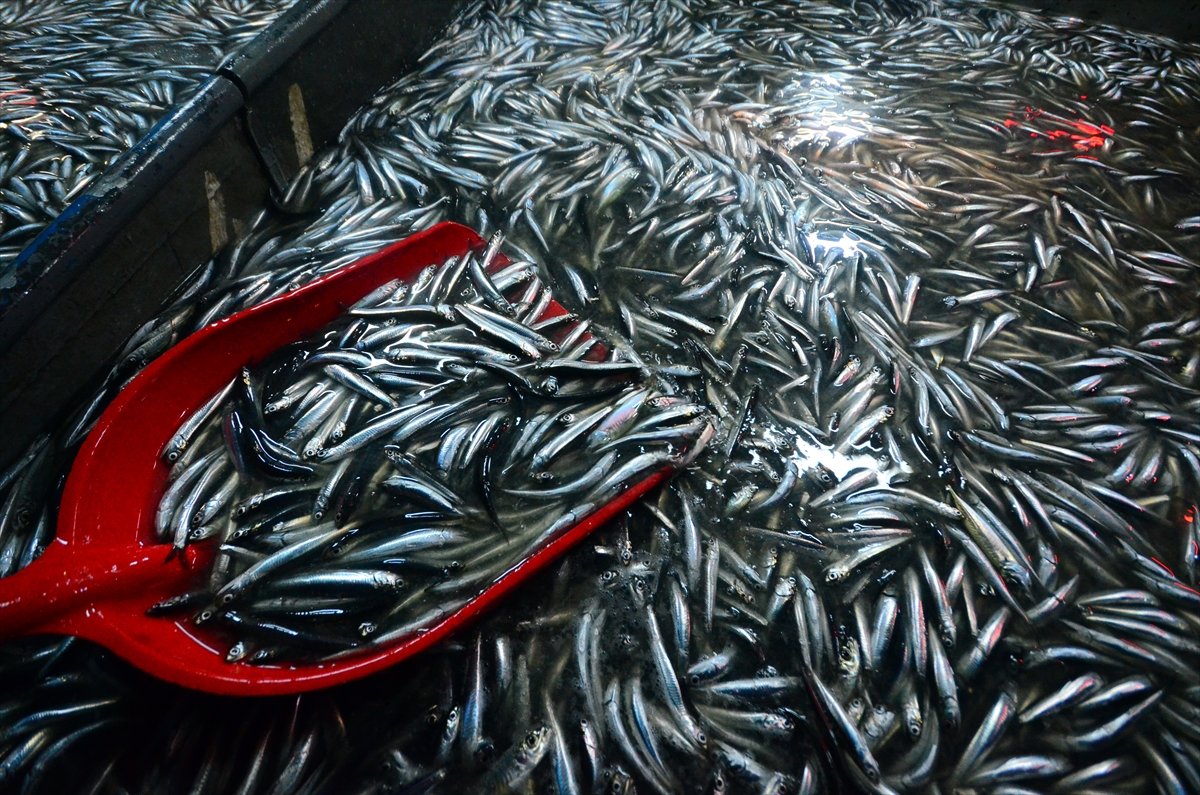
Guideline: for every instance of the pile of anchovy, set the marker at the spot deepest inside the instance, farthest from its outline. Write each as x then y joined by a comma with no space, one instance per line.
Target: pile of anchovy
81,81
934,265
368,482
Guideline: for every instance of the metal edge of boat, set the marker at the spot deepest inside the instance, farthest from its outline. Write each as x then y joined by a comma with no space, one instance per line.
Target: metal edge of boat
113,258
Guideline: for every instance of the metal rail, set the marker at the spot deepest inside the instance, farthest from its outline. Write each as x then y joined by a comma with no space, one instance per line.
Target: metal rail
117,254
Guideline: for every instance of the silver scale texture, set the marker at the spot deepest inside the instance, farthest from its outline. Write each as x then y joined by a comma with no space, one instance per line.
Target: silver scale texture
937,264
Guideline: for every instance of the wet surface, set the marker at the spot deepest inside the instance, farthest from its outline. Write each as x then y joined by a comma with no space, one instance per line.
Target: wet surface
935,268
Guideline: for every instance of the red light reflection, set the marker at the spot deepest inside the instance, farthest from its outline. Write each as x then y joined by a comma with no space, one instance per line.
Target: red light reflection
1164,567
17,96
1083,136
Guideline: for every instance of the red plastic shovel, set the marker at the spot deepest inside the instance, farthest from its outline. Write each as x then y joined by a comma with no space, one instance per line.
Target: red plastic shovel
105,568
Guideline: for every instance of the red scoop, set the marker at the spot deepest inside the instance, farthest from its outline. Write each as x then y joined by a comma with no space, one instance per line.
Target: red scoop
105,568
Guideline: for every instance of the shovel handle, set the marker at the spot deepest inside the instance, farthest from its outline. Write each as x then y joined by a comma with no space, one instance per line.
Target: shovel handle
65,584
